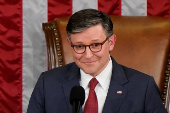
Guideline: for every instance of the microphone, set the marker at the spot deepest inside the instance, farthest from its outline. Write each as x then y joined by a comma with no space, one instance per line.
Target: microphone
77,97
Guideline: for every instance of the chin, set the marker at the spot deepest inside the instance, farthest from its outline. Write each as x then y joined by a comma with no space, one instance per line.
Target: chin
90,72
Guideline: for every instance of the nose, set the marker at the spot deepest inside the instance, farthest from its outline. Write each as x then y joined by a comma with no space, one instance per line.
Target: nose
88,53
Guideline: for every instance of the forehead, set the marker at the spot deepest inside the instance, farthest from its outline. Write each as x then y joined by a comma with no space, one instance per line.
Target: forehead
94,33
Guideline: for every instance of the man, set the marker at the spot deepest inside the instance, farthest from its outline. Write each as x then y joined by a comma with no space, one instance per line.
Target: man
117,89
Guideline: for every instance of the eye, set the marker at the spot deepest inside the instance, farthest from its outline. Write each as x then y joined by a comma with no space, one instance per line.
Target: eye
95,45
79,46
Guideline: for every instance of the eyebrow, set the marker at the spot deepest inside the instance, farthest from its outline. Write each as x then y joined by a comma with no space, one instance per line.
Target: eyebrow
96,39
92,41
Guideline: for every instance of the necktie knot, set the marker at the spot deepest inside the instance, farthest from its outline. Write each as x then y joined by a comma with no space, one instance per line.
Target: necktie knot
93,83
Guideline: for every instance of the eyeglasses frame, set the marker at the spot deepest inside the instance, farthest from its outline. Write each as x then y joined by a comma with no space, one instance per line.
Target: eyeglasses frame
89,46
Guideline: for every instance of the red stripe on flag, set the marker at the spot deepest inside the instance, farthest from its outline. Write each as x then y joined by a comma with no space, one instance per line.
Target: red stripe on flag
110,7
169,8
11,56
158,8
59,8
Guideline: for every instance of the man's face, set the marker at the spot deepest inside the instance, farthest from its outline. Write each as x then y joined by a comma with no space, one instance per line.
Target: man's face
90,62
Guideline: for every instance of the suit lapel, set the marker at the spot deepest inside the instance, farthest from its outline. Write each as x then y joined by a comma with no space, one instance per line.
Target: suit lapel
116,92
73,77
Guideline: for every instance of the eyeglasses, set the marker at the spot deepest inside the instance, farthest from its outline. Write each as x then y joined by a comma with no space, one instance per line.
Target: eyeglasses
95,47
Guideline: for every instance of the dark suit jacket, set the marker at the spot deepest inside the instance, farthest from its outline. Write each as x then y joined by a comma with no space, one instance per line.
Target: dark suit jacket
140,93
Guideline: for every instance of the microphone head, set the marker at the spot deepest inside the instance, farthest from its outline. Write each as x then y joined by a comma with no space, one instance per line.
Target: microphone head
77,94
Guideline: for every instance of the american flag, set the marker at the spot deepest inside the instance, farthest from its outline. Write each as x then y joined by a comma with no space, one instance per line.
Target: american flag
119,92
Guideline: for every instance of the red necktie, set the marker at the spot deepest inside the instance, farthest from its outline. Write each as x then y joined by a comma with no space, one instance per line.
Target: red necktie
91,105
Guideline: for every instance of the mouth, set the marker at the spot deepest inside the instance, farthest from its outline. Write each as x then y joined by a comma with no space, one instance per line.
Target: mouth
89,62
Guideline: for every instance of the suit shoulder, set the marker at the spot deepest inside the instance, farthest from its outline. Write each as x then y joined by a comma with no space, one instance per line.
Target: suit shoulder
130,73
58,71
138,80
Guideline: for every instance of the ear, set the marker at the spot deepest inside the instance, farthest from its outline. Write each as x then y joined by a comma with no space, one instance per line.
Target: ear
68,40
112,41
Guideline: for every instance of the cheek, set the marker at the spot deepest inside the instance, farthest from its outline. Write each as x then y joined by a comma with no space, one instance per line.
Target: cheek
76,56
105,51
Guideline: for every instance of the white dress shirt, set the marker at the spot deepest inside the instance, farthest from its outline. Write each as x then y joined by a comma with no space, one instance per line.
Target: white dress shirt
101,88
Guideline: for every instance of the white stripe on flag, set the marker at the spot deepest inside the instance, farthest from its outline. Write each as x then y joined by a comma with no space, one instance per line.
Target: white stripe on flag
134,8
84,4
34,48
